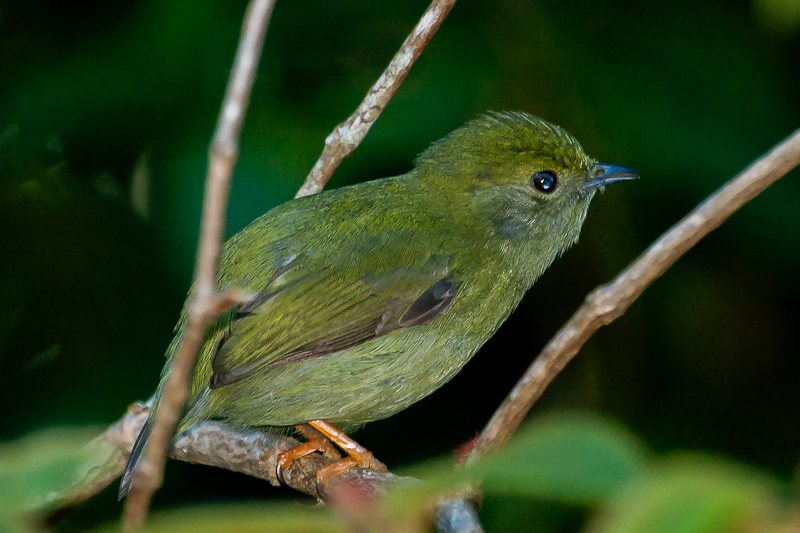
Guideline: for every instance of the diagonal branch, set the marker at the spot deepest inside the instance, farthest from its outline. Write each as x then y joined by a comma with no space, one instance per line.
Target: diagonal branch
206,302
348,135
610,301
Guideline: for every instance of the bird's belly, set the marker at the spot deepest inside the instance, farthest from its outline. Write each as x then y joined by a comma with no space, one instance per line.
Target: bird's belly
365,383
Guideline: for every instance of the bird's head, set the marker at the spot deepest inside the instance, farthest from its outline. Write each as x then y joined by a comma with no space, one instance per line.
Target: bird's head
530,177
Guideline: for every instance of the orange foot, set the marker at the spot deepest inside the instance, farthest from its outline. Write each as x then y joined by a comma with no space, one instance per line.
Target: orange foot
357,455
316,443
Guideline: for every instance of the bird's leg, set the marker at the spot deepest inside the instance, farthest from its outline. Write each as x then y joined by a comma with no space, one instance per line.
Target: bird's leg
317,442
357,454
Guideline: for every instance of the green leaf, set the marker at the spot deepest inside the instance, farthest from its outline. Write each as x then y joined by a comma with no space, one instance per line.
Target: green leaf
569,458
241,518
572,458
37,464
779,15
690,494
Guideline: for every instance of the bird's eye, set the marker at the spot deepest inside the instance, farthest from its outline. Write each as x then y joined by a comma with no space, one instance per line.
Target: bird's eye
545,181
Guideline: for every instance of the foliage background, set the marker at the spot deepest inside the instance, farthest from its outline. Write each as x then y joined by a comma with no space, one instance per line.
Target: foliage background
90,286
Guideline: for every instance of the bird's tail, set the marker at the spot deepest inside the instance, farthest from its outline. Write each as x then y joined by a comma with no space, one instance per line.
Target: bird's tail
136,452
194,414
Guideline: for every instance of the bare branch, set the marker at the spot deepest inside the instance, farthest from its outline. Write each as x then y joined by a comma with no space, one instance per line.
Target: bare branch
205,303
349,134
610,301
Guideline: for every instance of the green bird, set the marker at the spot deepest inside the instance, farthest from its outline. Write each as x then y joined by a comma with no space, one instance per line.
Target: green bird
370,297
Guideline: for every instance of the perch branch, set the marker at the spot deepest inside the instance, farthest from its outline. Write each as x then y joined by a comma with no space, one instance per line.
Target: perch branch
608,302
250,452
347,135
206,302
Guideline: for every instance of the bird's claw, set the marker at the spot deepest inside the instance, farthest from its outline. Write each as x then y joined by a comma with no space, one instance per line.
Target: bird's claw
320,444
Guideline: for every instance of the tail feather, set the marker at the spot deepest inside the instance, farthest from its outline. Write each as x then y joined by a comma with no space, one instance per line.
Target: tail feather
136,452
193,414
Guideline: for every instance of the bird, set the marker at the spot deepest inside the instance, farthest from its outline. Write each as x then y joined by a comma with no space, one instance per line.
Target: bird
367,298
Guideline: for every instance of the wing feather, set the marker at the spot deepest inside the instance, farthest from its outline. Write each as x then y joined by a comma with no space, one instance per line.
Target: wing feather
316,314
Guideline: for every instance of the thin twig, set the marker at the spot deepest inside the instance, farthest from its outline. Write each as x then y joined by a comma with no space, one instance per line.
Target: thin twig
347,135
608,302
205,301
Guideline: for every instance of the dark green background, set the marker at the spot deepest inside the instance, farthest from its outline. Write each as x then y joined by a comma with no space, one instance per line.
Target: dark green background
685,93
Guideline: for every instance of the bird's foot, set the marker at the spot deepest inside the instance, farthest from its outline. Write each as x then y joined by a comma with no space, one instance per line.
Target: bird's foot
316,443
357,455
321,435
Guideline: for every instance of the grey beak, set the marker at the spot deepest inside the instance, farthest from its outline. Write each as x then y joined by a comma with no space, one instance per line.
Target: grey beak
605,174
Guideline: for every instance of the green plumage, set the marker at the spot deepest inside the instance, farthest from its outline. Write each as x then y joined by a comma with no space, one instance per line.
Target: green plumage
370,297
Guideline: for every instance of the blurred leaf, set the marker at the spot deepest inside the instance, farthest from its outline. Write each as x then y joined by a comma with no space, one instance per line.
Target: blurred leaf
502,513
573,458
241,519
37,464
691,494
780,15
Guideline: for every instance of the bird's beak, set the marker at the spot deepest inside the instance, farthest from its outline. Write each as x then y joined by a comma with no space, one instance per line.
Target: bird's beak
605,174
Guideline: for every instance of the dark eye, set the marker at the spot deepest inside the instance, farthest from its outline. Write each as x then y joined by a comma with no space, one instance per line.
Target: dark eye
545,181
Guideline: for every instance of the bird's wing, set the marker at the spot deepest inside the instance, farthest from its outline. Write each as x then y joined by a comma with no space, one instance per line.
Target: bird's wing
304,313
